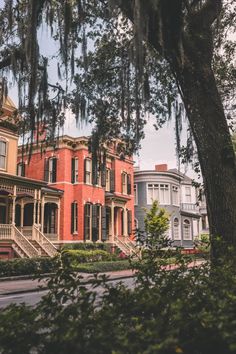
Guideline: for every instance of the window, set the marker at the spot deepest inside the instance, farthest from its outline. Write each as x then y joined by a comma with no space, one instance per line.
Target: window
50,170
74,170
3,154
96,224
176,233
124,183
88,171
135,194
87,221
187,230
21,169
108,180
74,218
187,194
152,193
159,192
164,194
175,195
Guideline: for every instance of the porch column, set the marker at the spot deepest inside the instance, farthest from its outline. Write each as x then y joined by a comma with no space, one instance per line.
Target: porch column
42,214
58,219
22,215
38,207
35,206
14,206
125,223
112,221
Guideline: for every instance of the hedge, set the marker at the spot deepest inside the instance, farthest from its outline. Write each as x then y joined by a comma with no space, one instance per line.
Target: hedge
87,246
26,266
73,257
101,267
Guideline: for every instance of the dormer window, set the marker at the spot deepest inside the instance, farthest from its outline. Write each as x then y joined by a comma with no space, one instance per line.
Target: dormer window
3,154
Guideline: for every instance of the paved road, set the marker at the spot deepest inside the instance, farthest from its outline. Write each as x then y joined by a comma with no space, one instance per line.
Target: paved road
32,298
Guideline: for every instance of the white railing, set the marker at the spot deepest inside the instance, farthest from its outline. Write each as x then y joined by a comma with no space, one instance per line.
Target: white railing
10,232
44,242
5,232
23,243
123,246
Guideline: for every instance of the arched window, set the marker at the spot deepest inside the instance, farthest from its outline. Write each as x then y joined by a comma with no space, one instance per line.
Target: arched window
186,230
176,233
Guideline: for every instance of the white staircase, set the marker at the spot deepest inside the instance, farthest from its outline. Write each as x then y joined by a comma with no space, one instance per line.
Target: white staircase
126,245
22,245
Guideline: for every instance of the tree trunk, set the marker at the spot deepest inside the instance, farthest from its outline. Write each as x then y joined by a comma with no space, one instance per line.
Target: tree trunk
215,150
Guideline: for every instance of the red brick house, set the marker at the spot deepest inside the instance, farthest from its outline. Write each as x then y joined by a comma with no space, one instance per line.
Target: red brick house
97,204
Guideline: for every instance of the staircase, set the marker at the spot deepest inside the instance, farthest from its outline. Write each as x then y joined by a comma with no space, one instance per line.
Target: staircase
38,246
126,245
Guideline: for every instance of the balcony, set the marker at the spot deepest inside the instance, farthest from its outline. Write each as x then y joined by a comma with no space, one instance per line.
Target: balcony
190,207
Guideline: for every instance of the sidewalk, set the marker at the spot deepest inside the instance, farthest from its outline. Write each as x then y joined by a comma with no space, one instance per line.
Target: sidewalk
28,285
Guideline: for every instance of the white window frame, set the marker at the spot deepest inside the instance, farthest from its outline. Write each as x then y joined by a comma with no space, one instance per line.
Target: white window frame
4,141
124,186
157,188
108,180
76,170
88,171
189,236
176,229
188,195
175,195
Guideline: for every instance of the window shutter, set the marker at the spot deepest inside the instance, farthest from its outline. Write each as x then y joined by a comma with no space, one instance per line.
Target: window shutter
129,222
94,223
112,181
84,170
72,170
128,184
72,217
85,211
94,173
46,169
23,169
104,224
103,175
54,170
76,211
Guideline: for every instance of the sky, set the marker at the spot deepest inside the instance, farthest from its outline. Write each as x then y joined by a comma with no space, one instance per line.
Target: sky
158,146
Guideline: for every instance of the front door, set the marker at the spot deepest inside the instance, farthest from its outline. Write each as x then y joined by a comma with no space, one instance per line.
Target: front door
3,214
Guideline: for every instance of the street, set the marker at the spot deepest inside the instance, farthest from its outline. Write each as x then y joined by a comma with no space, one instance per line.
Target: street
32,298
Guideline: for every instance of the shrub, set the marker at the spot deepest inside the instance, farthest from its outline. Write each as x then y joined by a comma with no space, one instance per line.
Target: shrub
74,257
26,266
87,246
101,267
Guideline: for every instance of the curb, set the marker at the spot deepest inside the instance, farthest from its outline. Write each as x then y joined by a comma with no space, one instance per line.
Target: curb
25,277
43,288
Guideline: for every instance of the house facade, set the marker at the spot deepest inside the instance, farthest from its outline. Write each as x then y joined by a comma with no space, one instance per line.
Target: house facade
97,204
174,192
21,198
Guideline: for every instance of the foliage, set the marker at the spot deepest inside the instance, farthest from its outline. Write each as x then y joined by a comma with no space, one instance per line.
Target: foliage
72,258
101,267
87,246
26,266
203,243
179,311
156,221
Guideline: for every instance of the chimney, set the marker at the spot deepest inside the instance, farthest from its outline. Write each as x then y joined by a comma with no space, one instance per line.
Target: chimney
161,168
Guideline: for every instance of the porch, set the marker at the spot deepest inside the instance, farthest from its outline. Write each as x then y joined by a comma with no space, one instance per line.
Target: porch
29,217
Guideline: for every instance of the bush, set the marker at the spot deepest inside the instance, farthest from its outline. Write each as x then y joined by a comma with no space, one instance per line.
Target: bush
87,246
26,266
74,257
101,267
